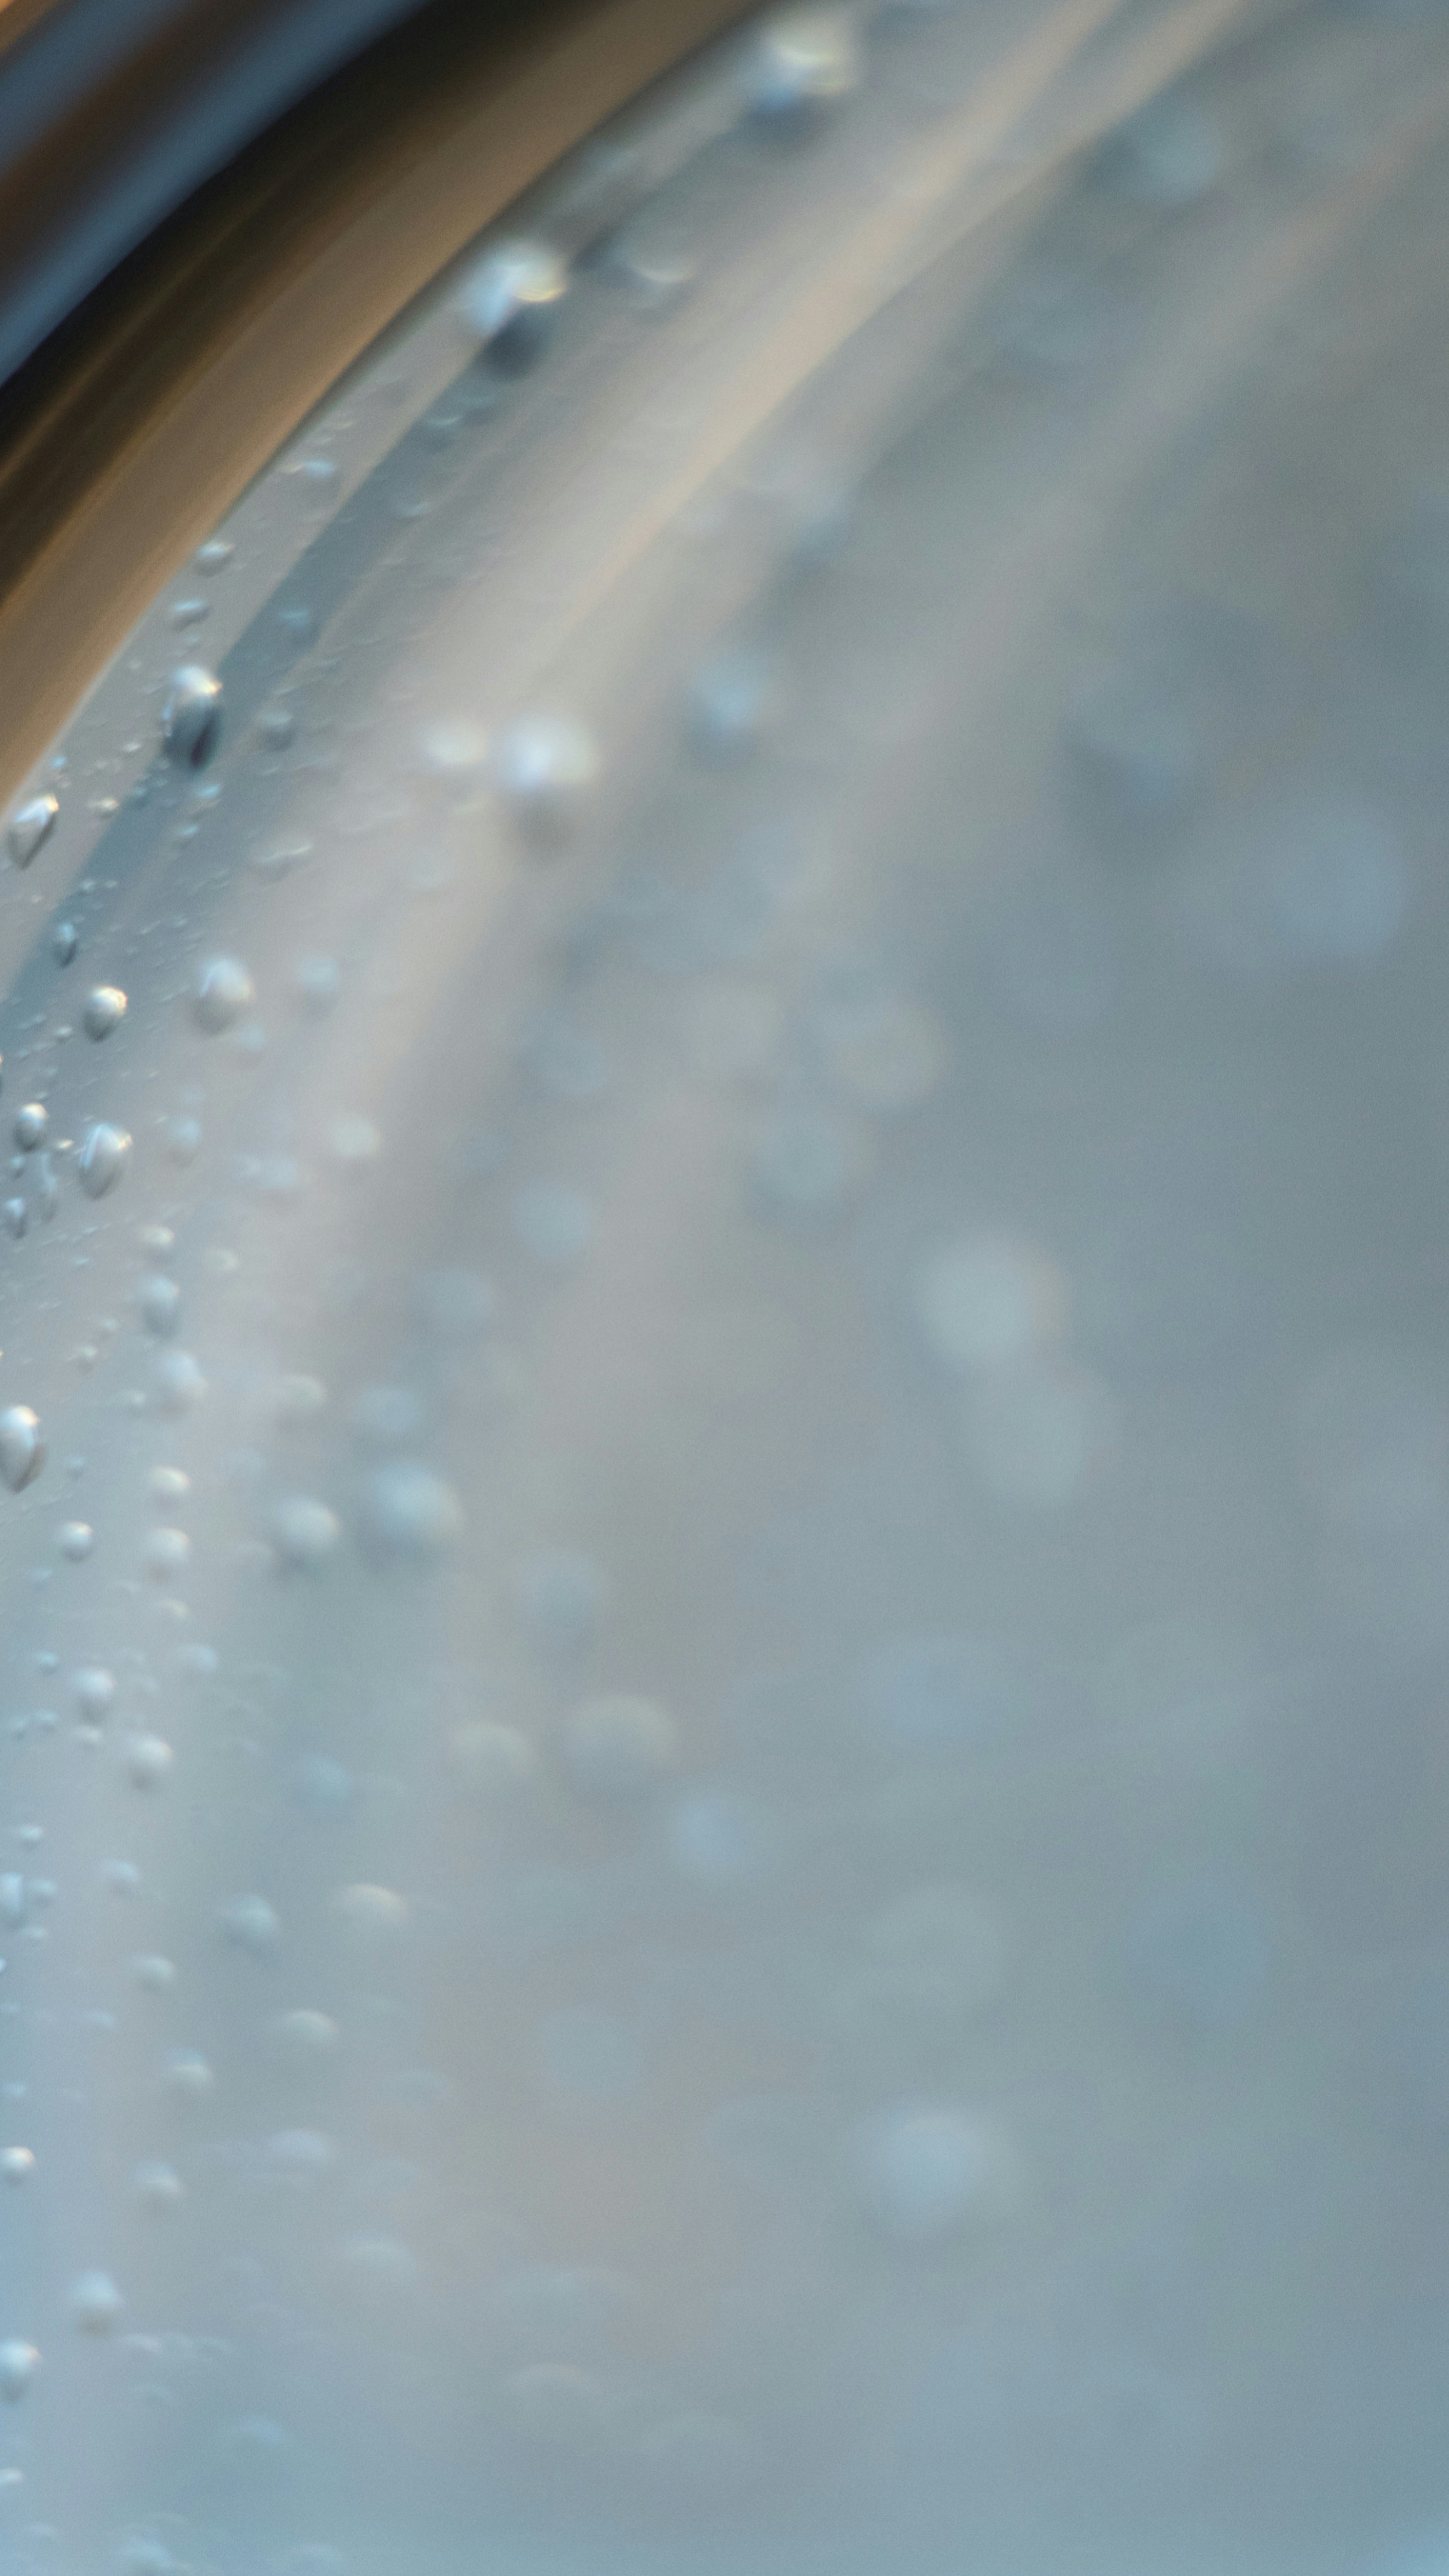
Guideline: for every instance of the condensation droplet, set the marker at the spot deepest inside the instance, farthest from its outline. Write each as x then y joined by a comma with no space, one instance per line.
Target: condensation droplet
304,1533
65,943
158,2187
167,1555
17,2164
176,1382
510,303
31,1126
155,1974
22,1450
30,828
149,1761
96,2304
191,717
104,1010
93,1689
102,1160
410,1513
160,1304
223,992
15,1217
19,2363
75,1540
543,767
251,1924
372,1910
801,66
618,1746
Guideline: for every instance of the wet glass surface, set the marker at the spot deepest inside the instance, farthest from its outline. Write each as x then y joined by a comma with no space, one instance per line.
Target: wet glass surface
724,1579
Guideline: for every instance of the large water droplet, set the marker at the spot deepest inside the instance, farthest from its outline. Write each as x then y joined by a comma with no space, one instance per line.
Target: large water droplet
223,992
30,827
101,1163
22,1450
105,1008
191,717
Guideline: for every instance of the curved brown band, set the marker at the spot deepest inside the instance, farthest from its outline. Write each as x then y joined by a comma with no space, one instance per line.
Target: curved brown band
133,430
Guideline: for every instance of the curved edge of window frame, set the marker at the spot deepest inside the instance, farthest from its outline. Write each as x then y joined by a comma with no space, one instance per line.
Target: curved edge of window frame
137,425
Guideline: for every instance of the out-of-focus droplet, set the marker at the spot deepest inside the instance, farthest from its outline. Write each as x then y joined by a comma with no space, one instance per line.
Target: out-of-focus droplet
191,717
17,2164
511,301
65,943
19,2363
729,705
30,828
187,2073
304,1533
224,991
552,1222
22,1450
454,750
177,1383
307,2037
121,1878
149,1761
251,1924
1169,156
410,1513
75,1540
105,1008
168,1485
167,1555
105,1151
16,1217
155,1974
96,2305
318,981
562,1596
13,1905
495,1761
183,1139
801,66
277,727
987,1304
543,767
93,1689
160,1303
158,2187
619,1746
387,1417
372,1910
927,2172
355,1143
31,1126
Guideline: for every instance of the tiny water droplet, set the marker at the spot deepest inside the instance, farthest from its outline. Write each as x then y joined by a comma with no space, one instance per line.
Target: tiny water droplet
15,1217
101,1163
17,2164
191,717
160,1303
149,1761
277,727
187,2072
223,992
304,1533
93,1690
30,828
318,981
32,1124
176,1382
410,1513
183,1139
543,767
372,1910
96,2304
105,1008
158,2187
156,1974
214,556
64,943
19,2363
510,303
75,1540
22,1450
168,1553
619,1746
251,1924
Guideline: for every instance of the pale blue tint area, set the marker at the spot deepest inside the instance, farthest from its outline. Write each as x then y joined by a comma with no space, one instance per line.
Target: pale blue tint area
724,1557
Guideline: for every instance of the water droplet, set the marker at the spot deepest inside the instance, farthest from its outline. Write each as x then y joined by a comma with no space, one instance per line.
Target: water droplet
183,1139
729,705
543,767
13,1908
454,750
30,827
158,2187
306,2035
19,2363
176,1382
104,1154
562,1596
511,302
223,992
251,1924
318,981
1169,155
926,2172
304,1533
105,1008
409,1512
149,1761
17,2164
96,2304
355,1142
186,2072
64,943
387,1417
122,1878
800,67
987,1304
15,1217
372,1910
160,1303
22,1450
75,1540
278,860
93,1689
155,1974
31,1126
301,2155
168,1485
214,556
325,1787
191,717
167,1555
618,1746
553,1222
277,727
494,1761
